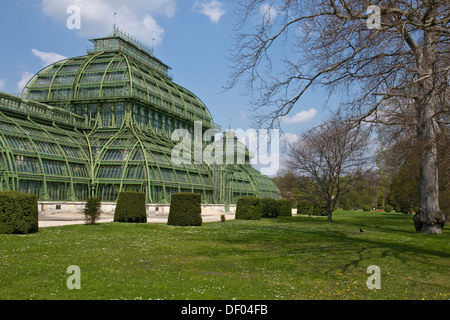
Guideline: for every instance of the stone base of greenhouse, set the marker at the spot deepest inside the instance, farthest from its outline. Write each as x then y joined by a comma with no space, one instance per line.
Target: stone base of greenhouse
108,208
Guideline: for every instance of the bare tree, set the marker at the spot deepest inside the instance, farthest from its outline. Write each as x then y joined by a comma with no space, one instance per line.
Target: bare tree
336,45
330,156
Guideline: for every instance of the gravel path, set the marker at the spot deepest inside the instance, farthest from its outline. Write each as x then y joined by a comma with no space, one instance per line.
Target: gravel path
62,219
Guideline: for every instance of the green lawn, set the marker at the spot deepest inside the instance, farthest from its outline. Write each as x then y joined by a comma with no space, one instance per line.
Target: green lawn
296,257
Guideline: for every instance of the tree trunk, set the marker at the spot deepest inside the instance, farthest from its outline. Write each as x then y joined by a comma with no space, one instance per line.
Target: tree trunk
329,217
429,218
330,212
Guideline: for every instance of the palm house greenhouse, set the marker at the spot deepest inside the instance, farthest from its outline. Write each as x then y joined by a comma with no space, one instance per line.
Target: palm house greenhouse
101,123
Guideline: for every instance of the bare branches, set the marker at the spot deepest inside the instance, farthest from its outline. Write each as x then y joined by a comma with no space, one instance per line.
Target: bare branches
330,156
383,74
328,45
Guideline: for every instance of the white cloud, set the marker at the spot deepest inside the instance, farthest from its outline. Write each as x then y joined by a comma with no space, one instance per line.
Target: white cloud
48,58
135,17
290,138
213,9
2,84
268,12
26,76
301,117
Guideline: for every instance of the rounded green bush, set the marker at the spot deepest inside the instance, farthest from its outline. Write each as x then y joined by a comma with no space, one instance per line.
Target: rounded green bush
285,207
248,208
270,208
388,208
18,212
185,209
304,207
130,207
347,205
366,207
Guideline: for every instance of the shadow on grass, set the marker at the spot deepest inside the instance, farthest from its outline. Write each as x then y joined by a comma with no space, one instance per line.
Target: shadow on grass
313,236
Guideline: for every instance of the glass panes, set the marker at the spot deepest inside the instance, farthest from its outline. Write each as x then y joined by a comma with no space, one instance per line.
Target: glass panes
81,191
97,66
105,44
43,81
135,173
61,79
54,168
58,190
116,76
137,155
182,177
116,155
30,186
79,171
37,95
161,159
88,92
168,175
18,143
108,192
91,77
47,148
68,68
118,65
110,172
27,164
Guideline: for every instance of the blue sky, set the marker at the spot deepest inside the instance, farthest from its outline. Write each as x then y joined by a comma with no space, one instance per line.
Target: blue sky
193,37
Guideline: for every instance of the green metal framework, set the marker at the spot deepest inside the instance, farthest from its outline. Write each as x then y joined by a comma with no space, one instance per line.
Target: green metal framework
101,123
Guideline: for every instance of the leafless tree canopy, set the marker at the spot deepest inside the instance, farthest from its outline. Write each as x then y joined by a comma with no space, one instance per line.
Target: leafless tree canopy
328,43
331,156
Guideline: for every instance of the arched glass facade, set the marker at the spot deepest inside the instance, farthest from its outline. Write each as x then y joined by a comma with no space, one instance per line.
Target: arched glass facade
101,123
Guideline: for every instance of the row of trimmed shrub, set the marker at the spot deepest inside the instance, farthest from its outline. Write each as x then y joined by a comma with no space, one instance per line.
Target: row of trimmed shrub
254,208
185,208
19,211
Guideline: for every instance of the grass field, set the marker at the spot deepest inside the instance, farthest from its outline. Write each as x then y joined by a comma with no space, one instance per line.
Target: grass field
296,257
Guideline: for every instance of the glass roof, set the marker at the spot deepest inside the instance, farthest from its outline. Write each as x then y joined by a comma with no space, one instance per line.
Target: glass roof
115,68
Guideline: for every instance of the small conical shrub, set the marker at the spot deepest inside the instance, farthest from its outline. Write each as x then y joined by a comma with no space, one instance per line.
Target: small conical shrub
92,210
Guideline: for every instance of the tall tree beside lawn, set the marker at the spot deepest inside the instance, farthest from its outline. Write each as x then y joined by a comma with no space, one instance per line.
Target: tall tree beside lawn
372,53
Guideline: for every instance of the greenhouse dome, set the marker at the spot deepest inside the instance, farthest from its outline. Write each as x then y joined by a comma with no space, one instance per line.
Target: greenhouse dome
101,123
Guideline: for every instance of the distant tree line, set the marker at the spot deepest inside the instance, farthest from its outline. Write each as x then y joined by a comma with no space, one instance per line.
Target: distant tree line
393,181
